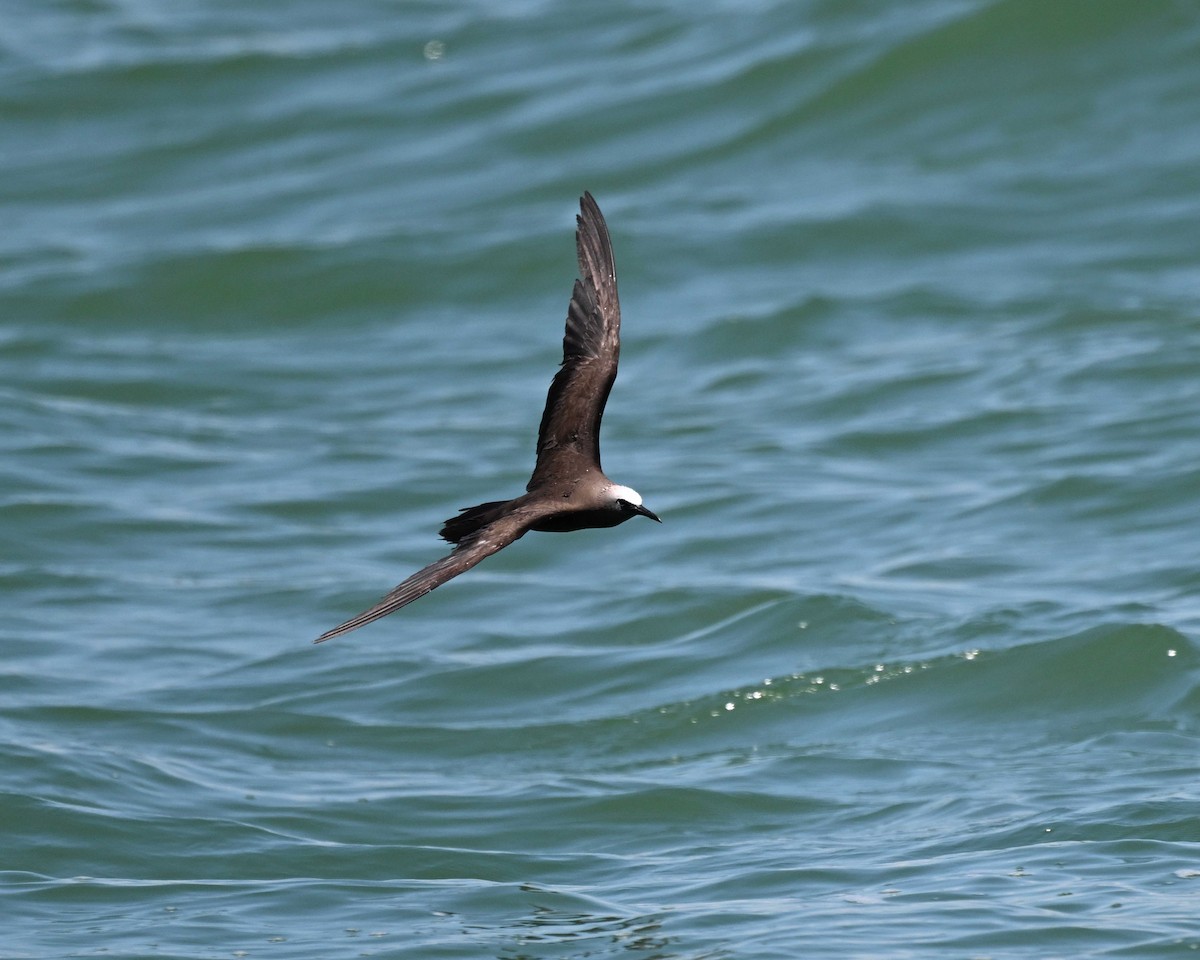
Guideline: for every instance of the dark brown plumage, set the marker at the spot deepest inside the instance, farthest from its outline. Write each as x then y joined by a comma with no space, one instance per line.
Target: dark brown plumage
568,490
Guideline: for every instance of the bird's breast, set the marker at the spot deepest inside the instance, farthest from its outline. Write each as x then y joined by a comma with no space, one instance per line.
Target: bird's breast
570,520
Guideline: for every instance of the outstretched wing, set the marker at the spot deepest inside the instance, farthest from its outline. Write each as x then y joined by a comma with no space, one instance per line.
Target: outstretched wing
570,429
479,546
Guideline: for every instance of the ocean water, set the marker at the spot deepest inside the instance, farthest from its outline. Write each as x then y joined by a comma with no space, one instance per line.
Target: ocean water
911,371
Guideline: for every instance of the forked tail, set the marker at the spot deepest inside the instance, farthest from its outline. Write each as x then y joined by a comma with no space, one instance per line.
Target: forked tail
470,519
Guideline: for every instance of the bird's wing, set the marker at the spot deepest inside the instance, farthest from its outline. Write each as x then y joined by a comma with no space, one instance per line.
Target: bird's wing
495,536
570,428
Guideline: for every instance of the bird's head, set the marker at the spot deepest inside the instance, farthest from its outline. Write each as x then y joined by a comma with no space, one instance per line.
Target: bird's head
628,502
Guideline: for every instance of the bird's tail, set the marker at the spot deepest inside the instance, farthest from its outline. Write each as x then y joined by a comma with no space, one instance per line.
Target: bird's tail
470,519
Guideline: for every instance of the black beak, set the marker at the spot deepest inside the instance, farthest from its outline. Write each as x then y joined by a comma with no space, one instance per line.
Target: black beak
647,512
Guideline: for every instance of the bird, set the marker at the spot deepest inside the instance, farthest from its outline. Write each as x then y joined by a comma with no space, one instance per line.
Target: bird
568,490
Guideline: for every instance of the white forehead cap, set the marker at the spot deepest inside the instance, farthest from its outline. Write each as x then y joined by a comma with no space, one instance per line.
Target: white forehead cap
628,494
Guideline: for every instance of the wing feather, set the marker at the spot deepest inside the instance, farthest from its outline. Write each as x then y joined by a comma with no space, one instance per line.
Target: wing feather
495,536
570,427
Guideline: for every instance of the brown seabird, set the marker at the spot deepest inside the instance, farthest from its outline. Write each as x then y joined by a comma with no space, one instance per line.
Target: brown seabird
568,490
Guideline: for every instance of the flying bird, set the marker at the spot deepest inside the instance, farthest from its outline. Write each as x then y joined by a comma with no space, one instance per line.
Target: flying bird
568,490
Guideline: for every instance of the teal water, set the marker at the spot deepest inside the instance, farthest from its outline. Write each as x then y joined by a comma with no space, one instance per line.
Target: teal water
910,370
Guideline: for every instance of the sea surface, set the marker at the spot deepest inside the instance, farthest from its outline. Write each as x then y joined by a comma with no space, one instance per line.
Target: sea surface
911,372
